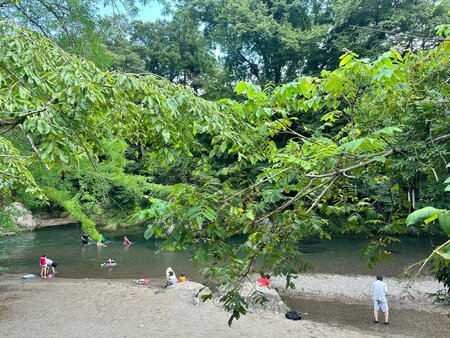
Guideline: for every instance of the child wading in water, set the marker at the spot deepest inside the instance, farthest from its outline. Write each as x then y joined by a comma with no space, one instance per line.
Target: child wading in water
126,241
43,264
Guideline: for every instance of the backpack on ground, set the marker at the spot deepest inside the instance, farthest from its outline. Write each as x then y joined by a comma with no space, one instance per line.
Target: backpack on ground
292,315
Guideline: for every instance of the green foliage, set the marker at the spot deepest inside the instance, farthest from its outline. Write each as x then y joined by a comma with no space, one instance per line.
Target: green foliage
6,223
340,152
441,271
73,209
14,172
423,215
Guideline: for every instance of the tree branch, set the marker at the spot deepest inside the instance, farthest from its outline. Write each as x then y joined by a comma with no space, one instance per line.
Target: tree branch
442,138
256,184
343,171
394,33
34,22
8,174
299,195
323,193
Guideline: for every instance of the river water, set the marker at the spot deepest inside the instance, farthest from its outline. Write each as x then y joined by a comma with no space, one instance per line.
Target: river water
62,244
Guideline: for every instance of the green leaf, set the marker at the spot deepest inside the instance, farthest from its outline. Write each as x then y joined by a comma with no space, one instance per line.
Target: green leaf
240,88
445,255
352,145
388,131
421,215
166,135
444,221
204,298
345,59
149,232
381,159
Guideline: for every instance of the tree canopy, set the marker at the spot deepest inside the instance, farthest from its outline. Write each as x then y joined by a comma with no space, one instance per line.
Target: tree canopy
353,149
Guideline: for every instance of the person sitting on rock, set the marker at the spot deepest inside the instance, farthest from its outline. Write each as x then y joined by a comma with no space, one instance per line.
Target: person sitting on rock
182,278
171,279
264,281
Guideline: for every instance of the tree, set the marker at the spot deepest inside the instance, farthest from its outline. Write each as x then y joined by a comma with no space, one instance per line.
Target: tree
66,108
74,24
369,28
175,50
263,41
260,175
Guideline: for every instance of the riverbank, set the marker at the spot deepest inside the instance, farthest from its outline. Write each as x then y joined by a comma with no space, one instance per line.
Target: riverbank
44,221
89,307
356,290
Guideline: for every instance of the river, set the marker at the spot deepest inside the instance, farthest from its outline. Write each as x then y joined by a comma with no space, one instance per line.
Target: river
62,244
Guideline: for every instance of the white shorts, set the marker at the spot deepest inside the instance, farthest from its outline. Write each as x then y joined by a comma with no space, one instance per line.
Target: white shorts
383,304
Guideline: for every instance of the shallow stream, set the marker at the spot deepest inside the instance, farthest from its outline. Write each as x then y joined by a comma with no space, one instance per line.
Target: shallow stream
62,244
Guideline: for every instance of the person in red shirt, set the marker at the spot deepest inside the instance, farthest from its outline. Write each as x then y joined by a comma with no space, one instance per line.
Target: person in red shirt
264,281
126,241
43,264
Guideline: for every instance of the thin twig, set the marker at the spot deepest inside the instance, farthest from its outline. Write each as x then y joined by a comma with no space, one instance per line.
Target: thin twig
292,200
394,33
256,184
425,261
323,193
8,174
343,171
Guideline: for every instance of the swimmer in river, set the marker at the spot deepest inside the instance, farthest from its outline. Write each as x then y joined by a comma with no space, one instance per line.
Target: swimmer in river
85,239
109,262
126,241
99,243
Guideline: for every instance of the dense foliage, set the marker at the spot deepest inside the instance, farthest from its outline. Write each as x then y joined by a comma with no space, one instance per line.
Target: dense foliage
349,150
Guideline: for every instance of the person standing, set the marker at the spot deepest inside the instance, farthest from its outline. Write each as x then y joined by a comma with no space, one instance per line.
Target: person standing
379,290
43,264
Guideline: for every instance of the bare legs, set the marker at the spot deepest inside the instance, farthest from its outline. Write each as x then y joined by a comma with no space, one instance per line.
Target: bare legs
386,316
43,271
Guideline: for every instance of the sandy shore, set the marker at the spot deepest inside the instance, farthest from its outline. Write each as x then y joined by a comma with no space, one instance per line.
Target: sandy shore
356,290
118,308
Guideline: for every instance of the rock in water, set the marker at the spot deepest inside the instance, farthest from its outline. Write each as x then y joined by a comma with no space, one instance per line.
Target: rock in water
21,216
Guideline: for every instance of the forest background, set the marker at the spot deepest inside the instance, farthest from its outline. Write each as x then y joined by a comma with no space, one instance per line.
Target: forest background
276,120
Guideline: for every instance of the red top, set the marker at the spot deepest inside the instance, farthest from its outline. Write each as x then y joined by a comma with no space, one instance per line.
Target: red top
263,281
42,261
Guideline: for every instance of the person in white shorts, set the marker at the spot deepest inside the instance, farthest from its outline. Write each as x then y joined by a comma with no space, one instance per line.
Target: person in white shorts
379,290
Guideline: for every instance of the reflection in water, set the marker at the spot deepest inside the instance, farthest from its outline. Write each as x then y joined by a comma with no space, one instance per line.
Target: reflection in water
341,255
140,260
